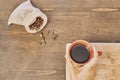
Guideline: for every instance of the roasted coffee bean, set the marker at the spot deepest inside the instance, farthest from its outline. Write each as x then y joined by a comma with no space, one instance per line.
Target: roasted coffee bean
36,25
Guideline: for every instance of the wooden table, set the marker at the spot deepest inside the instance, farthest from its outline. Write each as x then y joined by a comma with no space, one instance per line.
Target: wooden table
22,57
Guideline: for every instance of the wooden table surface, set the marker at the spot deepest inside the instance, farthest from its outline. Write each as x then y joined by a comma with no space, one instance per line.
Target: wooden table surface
23,57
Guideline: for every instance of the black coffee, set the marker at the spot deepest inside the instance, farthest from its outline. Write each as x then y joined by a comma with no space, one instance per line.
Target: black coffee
79,54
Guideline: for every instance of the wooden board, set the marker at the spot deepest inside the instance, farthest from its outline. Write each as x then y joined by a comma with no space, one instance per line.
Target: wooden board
23,58
108,64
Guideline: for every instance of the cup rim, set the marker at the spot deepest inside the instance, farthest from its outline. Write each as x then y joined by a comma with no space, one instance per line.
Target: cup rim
84,43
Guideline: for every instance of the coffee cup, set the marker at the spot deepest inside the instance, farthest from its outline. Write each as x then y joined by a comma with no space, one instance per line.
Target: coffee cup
81,52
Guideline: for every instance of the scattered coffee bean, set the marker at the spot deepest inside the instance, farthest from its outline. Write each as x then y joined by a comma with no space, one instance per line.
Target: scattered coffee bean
55,37
43,39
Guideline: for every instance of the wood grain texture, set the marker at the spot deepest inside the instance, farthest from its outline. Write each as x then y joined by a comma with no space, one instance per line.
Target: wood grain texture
23,58
50,65
109,63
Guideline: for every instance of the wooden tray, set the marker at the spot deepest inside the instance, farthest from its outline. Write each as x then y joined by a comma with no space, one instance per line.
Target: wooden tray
108,66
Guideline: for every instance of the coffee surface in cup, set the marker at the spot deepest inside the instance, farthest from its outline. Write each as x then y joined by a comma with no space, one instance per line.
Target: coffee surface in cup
79,54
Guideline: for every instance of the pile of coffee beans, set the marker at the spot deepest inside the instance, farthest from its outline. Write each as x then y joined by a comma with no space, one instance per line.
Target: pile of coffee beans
37,24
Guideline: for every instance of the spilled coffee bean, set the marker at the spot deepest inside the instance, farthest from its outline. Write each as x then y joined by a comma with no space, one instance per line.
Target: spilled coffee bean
43,42
54,35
